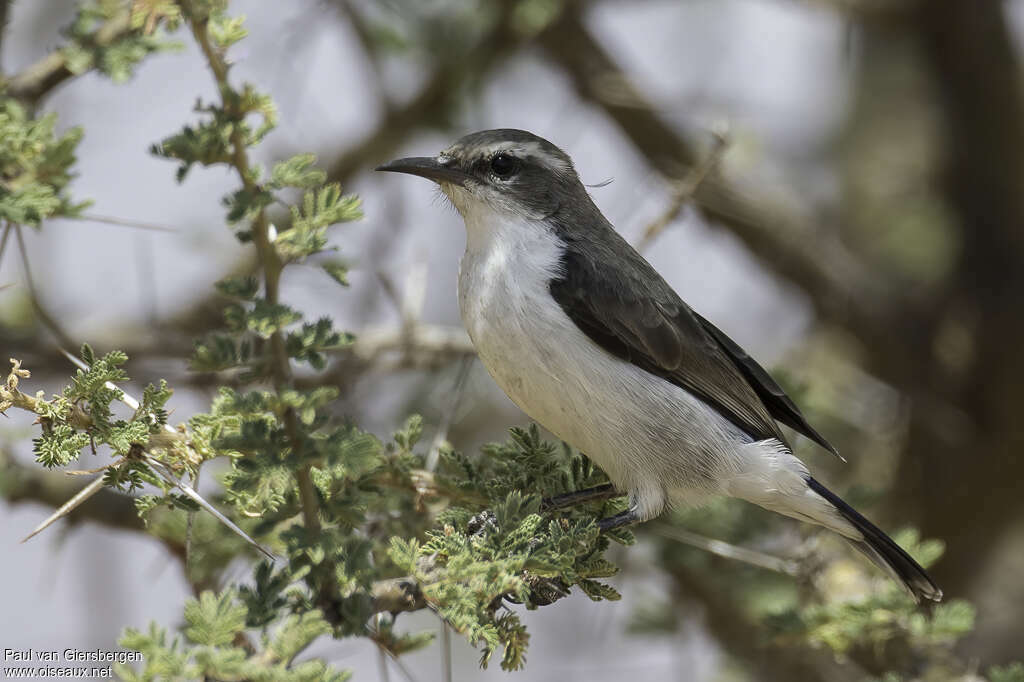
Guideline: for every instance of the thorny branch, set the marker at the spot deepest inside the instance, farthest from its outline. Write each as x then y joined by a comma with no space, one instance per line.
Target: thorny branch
270,261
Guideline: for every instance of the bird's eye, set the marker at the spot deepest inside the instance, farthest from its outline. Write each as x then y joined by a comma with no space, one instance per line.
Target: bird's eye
504,166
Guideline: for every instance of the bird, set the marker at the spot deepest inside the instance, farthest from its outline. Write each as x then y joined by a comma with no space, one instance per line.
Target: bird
588,339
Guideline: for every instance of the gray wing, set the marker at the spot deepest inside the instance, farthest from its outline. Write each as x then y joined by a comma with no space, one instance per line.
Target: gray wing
631,312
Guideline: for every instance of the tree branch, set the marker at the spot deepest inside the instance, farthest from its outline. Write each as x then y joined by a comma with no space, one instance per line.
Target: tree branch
40,78
433,102
839,287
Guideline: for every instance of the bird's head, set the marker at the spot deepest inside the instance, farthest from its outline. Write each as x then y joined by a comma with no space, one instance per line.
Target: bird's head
510,172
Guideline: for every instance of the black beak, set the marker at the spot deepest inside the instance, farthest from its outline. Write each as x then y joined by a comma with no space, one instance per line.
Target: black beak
426,167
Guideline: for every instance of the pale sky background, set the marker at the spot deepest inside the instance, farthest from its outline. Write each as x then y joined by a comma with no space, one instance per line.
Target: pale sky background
775,70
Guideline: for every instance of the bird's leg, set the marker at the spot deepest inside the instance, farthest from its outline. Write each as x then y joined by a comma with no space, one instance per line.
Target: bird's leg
626,518
601,492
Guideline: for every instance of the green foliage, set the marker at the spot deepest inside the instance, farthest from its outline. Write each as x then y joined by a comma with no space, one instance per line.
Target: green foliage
297,171
35,162
90,45
338,271
239,287
217,645
497,546
82,414
320,209
311,342
35,166
146,13
59,445
225,31
214,620
214,139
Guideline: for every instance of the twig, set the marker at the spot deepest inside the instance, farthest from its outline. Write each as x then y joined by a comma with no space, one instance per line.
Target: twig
685,190
40,78
324,582
272,264
164,473
728,551
382,664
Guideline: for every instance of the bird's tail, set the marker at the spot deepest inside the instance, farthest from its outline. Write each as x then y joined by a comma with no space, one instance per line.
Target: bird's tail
879,547
774,479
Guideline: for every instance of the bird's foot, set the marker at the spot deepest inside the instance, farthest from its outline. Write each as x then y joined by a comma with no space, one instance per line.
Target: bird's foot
626,518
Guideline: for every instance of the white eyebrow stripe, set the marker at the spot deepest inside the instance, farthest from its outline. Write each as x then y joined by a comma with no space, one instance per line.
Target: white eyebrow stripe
532,150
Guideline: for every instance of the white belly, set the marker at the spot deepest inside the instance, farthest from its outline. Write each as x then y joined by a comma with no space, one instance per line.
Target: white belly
651,437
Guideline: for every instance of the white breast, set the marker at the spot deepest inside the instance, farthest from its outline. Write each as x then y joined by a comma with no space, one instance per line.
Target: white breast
651,437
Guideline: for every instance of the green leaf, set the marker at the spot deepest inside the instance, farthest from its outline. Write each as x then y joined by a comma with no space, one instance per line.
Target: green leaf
313,340
298,171
225,30
243,287
214,620
116,58
206,143
267,318
35,165
320,209
217,352
245,204
297,633
952,620
598,590
338,272
410,433
59,445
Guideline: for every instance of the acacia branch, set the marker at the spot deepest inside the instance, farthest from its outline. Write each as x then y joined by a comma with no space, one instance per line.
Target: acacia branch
40,78
272,266
20,484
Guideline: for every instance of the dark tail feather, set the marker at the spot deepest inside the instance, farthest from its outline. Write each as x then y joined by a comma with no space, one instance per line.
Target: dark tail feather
881,549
